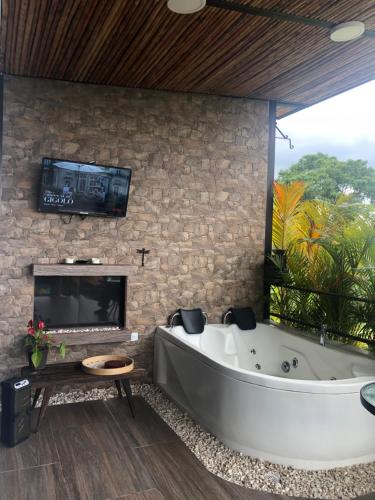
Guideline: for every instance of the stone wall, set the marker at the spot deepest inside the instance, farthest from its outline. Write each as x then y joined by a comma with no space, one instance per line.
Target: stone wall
197,200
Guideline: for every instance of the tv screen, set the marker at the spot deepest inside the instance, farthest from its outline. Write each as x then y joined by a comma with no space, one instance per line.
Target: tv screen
77,301
84,188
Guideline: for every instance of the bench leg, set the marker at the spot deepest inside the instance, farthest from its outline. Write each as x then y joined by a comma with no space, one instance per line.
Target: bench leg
36,397
118,387
129,395
46,395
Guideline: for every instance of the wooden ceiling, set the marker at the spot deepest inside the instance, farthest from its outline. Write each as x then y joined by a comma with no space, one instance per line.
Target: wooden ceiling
140,43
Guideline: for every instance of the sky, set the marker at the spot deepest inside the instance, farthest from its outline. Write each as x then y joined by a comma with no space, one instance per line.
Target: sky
343,126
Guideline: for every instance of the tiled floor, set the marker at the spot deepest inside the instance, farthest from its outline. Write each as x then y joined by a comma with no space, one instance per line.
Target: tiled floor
96,451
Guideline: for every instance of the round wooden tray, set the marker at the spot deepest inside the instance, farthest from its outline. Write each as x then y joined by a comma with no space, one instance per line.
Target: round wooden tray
95,365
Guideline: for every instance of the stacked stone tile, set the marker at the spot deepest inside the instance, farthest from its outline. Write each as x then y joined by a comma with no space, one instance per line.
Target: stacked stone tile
197,200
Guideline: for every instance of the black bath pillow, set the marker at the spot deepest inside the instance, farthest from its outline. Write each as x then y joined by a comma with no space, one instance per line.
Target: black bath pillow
244,318
192,320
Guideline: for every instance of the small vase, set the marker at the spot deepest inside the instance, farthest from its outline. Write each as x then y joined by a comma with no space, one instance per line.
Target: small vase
43,361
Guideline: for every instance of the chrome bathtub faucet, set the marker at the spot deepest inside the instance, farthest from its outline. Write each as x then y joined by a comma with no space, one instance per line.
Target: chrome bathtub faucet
172,318
323,334
226,316
205,317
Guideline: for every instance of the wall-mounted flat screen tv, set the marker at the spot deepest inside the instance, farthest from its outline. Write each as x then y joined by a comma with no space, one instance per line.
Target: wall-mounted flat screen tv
84,188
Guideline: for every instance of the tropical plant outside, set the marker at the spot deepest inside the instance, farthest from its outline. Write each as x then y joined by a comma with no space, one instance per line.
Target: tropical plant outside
329,247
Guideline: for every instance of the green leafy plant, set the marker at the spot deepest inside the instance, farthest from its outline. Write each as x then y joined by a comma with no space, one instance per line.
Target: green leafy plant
330,248
39,339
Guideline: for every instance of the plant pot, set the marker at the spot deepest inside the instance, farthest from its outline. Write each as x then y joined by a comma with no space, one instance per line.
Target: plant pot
43,362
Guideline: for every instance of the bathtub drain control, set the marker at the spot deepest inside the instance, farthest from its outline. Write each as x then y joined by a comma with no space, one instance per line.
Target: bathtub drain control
285,366
257,366
294,362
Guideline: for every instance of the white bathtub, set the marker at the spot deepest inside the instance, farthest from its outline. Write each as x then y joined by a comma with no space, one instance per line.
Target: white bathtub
232,383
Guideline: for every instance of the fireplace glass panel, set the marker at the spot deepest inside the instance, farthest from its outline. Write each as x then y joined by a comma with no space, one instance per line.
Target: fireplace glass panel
76,301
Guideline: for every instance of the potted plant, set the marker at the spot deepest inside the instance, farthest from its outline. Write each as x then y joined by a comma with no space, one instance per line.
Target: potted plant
38,342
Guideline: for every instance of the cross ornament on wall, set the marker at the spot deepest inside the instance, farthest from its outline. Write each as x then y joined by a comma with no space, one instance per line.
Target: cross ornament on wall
144,252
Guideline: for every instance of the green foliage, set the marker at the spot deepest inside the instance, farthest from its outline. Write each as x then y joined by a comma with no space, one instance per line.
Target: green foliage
36,357
62,349
326,177
37,339
331,249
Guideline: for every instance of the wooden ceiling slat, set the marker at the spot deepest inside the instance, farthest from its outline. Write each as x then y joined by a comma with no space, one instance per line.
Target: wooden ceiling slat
93,50
82,34
70,37
233,46
48,28
140,43
164,60
339,80
159,65
137,49
12,31
22,29
109,57
215,65
27,38
289,59
319,69
33,42
253,62
198,49
332,11
63,31
3,36
305,50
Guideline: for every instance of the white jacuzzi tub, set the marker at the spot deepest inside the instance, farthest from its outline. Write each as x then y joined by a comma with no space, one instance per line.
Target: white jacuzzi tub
232,383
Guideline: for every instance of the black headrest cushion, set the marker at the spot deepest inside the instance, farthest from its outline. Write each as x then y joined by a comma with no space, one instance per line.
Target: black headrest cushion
192,320
244,318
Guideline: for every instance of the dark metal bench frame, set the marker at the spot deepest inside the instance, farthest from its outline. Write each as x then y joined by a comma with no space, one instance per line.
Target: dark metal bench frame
60,374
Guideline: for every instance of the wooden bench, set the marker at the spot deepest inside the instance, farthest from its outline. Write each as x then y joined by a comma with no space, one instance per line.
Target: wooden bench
60,374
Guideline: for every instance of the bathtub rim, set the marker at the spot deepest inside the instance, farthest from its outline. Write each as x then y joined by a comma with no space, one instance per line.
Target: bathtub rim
339,386
351,349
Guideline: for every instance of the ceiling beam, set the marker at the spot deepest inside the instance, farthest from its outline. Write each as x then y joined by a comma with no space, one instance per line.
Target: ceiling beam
275,14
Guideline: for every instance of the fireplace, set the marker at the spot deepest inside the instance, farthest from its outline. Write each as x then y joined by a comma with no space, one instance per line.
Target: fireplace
81,297
80,301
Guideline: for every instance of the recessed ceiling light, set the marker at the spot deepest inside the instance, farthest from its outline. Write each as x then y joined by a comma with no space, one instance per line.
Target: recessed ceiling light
186,6
344,32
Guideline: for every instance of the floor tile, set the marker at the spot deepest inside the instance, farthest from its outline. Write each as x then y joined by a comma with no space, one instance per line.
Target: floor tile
179,475
147,428
75,414
97,451
45,482
97,465
143,495
38,449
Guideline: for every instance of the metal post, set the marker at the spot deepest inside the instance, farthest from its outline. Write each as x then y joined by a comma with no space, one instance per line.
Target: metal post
269,200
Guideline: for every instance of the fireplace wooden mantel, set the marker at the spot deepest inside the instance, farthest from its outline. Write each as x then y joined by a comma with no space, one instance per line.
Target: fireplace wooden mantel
82,270
82,337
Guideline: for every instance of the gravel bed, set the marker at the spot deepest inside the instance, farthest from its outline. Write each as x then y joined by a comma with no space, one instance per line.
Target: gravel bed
340,483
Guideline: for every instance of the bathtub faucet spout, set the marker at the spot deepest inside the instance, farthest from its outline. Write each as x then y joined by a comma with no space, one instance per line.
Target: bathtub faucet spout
225,317
205,317
323,334
171,319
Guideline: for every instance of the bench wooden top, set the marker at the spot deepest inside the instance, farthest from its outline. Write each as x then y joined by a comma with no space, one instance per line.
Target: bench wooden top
71,373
